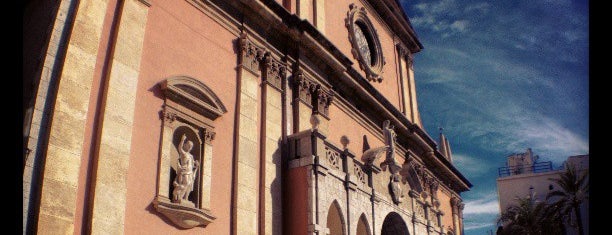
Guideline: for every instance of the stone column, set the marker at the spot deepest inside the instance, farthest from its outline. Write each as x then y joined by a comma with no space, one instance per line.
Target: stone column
274,73
108,207
60,177
247,165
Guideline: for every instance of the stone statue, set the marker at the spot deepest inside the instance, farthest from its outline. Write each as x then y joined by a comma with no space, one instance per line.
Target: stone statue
186,171
389,135
394,168
389,148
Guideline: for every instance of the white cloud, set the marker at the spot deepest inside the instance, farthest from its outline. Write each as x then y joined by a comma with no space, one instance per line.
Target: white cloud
481,8
459,25
471,226
471,166
441,16
485,205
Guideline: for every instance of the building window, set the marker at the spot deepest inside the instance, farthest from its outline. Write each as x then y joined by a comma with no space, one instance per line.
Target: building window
184,172
366,45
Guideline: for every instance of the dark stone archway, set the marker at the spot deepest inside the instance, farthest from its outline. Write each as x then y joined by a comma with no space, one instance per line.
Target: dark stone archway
394,225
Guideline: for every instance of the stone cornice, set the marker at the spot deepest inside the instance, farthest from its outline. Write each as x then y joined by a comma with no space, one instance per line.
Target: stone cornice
349,83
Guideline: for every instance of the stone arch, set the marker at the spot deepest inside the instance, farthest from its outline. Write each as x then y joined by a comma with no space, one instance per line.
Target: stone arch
394,225
363,227
335,220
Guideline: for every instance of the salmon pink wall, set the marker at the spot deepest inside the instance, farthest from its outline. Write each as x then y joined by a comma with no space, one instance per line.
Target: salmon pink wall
445,206
180,40
337,32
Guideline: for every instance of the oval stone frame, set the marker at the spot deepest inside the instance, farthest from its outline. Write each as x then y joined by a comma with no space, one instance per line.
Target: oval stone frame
355,17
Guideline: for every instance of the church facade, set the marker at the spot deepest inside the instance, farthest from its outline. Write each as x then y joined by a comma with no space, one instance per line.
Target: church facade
229,117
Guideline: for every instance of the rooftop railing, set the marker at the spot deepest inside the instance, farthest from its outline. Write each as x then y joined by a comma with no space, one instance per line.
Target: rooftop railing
539,167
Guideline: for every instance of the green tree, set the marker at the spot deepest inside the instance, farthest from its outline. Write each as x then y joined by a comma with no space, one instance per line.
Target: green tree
574,190
530,217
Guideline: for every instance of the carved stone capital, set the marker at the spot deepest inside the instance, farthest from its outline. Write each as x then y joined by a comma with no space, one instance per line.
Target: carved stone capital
305,87
402,50
251,55
209,136
413,194
409,60
435,184
323,100
274,72
168,117
455,202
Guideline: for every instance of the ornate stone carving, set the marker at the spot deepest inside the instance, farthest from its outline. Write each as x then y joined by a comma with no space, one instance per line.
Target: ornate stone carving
371,154
274,72
455,202
314,122
366,49
395,180
251,55
358,172
460,207
305,88
344,140
189,111
401,50
168,116
209,136
409,60
419,210
333,158
323,100
186,172
433,218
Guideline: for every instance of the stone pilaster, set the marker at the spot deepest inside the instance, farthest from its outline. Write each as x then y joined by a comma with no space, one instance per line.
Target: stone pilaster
274,73
108,209
416,117
303,90
246,198
319,15
455,201
58,195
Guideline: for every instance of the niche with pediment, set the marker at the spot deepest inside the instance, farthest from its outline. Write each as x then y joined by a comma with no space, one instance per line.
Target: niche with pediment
185,160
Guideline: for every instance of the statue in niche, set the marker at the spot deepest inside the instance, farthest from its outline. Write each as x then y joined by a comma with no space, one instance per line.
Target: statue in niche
186,171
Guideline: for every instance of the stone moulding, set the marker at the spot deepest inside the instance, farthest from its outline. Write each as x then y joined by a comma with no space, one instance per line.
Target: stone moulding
194,95
184,216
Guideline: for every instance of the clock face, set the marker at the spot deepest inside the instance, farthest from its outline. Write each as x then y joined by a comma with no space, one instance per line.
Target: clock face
363,45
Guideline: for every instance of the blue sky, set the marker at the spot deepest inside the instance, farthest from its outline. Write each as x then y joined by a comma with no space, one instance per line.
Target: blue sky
500,77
